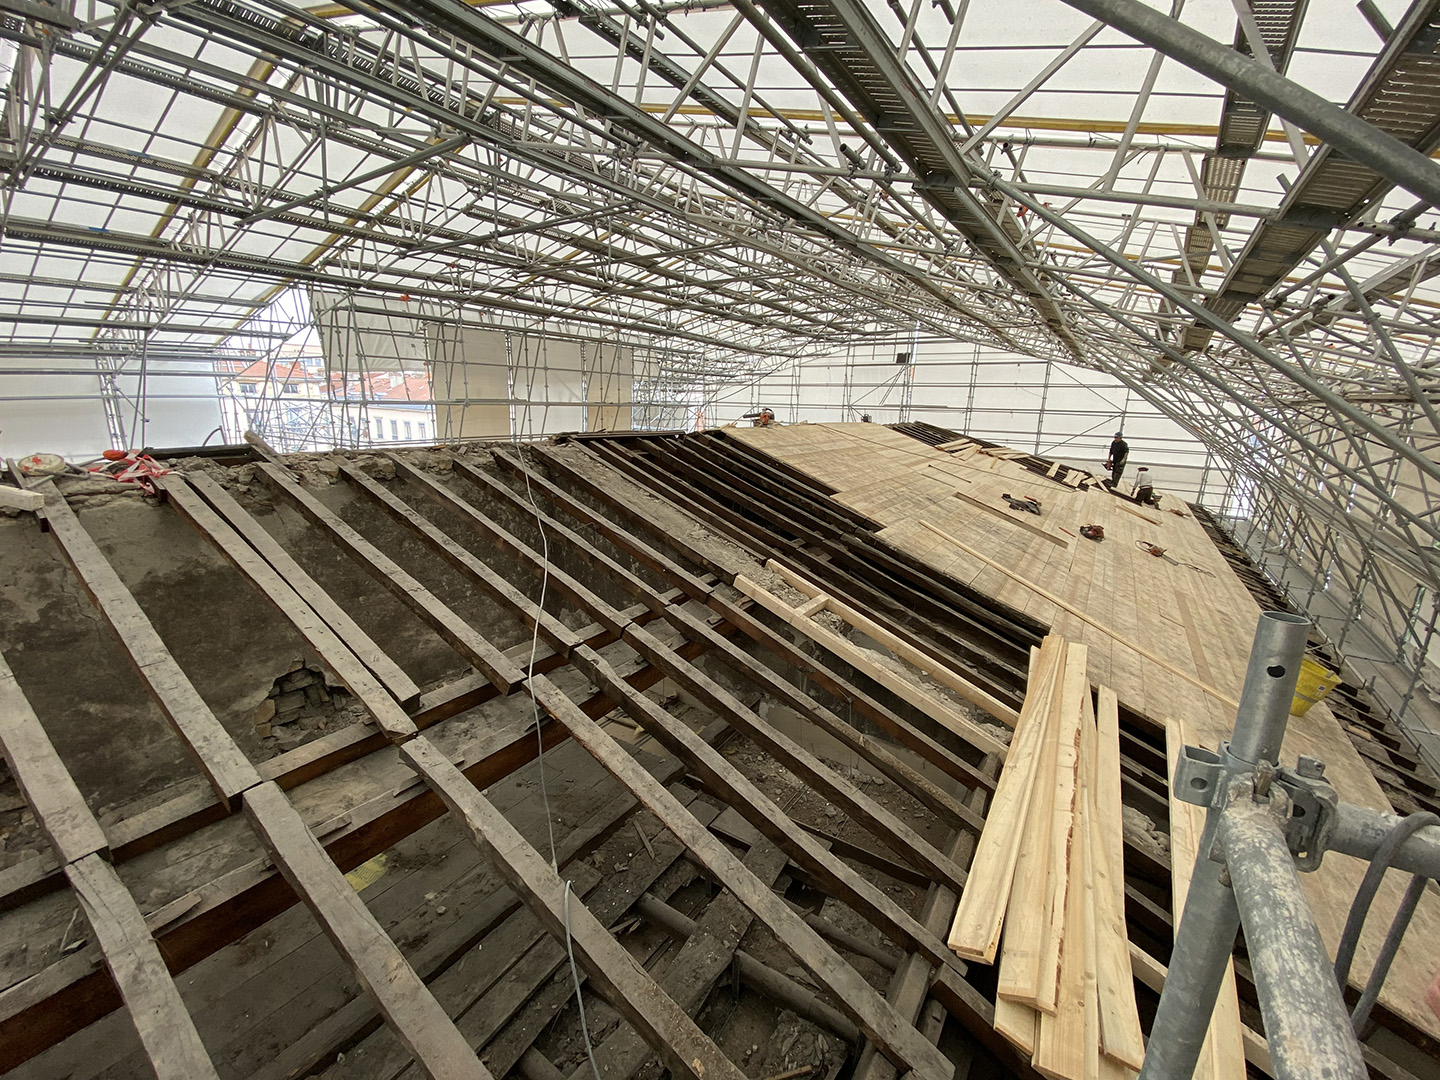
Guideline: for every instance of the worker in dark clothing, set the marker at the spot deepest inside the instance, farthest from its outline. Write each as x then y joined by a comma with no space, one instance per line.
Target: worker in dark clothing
1119,451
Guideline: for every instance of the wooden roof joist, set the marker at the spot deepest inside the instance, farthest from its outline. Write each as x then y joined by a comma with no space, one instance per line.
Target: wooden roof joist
413,583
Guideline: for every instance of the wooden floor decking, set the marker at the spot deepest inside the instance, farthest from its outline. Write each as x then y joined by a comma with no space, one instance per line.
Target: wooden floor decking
1188,609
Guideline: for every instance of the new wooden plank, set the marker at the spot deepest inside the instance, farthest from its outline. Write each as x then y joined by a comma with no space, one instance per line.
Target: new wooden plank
166,1031
683,1047
1126,596
936,668
1096,1064
975,934
1065,1043
1013,517
48,787
1018,1022
214,751
1074,690
1136,513
1081,614
402,999
1027,912
1223,1055
400,685
896,1038
1120,1034
1152,973
903,688
460,635
356,676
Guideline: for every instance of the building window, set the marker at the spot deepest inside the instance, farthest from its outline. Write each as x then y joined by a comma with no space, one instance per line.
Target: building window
422,430
408,434
290,388
379,430
247,388
394,430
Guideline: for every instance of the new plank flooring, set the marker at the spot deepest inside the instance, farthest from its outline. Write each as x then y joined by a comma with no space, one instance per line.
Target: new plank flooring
1187,607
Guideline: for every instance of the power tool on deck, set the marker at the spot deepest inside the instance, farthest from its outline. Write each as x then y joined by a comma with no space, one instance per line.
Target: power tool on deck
1027,503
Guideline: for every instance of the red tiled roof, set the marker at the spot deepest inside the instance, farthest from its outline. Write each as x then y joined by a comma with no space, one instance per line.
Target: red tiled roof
282,371
411,388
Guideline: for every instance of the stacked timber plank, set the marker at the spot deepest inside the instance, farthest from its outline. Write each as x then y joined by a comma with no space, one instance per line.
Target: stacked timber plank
1048,871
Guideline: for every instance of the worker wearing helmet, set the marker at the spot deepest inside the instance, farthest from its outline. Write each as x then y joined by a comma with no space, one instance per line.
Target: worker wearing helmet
763,417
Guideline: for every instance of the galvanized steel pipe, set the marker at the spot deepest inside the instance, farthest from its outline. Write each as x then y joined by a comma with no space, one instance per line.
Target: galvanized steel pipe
1352,136
1307,1025
1206,937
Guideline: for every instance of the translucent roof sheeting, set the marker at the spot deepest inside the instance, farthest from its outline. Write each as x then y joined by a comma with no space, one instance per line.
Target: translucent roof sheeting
734,185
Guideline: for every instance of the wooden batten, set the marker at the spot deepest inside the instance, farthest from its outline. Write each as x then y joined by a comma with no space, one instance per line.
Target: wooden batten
975,934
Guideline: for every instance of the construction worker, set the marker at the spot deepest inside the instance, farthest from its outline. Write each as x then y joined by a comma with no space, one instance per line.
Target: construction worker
1119,452
763,417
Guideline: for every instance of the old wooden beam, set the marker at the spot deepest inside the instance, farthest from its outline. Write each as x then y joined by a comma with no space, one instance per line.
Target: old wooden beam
166,1030
209,744
48,787
857,998
405,1002
400,685
684,1048
460,635
334,653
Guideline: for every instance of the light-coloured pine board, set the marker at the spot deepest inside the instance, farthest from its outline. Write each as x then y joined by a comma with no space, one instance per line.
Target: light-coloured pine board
815,605
1223,1055
975,934
1014,518
1078,613
934,667
1132,594
909,691
1143,517
1061,1052
1027,914
1120,1035
1085,882
1152,973
1063,848
1017,1022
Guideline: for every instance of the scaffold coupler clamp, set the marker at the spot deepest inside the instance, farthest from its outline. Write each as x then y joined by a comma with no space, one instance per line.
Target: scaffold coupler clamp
1308,805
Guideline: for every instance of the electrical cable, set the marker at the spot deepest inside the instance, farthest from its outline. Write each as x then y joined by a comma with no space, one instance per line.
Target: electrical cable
1391,946
1360,908
540,758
